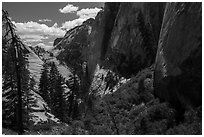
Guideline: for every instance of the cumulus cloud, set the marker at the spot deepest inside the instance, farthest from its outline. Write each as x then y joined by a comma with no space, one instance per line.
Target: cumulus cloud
33,32
69,8
71,24
33,38
45,20
88,13
37,28
42,45
83,15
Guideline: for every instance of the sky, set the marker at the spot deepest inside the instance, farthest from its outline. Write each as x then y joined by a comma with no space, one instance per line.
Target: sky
40,23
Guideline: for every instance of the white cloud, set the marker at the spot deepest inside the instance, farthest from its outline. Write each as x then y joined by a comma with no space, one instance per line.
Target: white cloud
71,24
38,29
45,20
42,45
51,42
69,8
33,32
88,13
33,38
83,14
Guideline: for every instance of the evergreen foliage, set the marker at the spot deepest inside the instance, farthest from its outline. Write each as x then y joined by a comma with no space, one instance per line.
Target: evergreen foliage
52,90
56,91
44,85
15,83
73,85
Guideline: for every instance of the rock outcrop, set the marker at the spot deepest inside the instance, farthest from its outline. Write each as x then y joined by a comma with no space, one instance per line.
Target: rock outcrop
124,38
56,41
178,70
76,36
72,52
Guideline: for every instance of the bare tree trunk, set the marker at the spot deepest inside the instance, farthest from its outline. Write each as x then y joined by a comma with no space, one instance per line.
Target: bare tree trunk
20,119
19,94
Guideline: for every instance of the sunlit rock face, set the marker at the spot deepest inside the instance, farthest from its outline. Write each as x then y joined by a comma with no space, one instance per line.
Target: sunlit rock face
125,35
72,53
178,71
77,36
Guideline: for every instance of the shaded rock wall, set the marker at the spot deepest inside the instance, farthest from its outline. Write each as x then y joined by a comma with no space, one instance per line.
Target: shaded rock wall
178,71
72,51
125,37
128,43
100,35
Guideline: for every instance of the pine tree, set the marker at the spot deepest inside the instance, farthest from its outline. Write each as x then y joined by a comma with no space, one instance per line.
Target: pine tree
52,80
44,85
14,83
58,101
73,84
56,92
28,101
74,59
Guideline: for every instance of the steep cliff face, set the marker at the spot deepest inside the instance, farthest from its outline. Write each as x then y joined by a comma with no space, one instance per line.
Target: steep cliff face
100,35
35,65
77,37
125,36
178,71
71,53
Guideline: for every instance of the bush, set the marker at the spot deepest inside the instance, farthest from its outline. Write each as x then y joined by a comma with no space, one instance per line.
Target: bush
192,124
